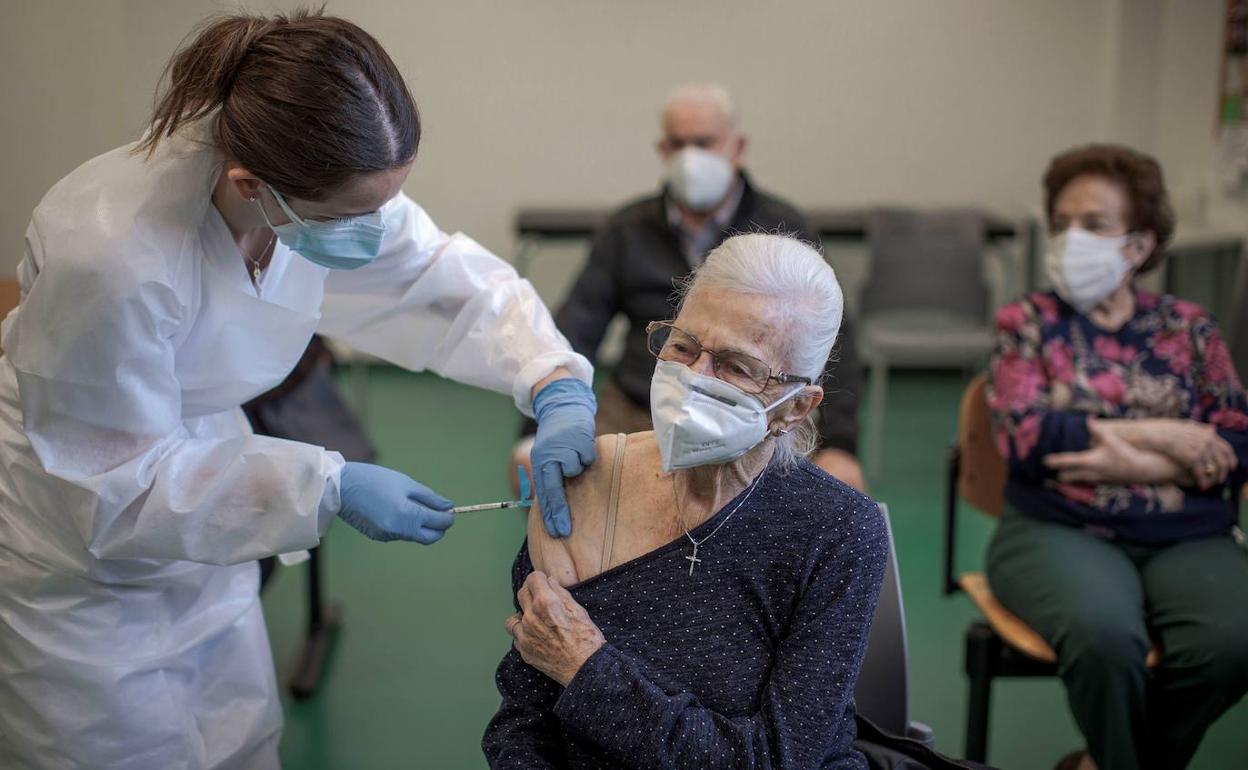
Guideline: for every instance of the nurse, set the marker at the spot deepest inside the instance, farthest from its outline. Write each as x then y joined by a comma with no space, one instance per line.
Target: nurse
164,284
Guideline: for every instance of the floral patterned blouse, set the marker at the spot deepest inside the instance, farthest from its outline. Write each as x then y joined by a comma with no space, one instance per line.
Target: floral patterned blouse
1053,368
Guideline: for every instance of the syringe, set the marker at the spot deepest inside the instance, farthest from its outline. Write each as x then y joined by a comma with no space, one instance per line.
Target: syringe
525,501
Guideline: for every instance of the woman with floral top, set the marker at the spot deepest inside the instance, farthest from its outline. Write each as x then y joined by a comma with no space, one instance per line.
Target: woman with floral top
1125,428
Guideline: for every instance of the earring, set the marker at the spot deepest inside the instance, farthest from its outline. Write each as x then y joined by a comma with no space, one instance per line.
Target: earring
777,432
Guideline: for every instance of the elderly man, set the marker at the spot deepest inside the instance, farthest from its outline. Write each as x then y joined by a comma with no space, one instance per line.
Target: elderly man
647,244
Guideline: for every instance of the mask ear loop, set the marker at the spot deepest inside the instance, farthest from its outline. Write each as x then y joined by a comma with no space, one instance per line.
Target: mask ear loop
285,208
256,200
778,432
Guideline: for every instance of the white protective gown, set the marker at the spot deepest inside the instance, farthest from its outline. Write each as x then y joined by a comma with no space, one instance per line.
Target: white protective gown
134,499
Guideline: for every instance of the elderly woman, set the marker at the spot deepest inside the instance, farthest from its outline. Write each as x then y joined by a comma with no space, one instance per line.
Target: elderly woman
711,606
1124,424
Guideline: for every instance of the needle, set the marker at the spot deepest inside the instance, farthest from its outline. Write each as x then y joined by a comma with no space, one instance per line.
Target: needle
492,506
525,500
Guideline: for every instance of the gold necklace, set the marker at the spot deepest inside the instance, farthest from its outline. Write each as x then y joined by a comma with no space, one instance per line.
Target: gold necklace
255,263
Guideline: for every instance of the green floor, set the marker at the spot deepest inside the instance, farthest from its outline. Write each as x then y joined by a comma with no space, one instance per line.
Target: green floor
411,680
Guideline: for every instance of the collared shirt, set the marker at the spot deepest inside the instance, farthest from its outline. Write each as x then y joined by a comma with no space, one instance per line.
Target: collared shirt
695,245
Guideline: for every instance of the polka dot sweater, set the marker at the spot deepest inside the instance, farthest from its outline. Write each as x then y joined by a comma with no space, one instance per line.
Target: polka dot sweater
748,663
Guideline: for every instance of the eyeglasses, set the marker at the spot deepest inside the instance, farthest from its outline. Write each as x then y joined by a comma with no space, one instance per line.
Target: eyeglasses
676,144
670,343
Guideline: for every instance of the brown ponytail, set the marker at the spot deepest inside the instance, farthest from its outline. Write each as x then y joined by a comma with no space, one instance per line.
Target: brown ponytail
304,102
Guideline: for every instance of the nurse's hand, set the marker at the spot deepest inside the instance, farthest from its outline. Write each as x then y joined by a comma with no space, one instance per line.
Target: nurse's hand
387,505
564,445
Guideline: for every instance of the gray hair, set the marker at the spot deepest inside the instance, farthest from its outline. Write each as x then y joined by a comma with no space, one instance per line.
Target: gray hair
709,94
808,306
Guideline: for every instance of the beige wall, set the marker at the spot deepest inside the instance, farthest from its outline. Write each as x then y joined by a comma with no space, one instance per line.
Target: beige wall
1168,59
554,101
77,79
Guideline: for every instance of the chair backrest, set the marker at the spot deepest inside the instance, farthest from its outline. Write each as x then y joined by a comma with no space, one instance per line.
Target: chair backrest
982,471
1236,332
882,692
926,260
10,296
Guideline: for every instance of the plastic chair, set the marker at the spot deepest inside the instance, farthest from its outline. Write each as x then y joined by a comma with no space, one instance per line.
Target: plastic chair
882,692
1001,645
925,303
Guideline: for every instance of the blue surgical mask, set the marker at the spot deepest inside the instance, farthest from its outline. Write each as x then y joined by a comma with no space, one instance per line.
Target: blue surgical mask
339,244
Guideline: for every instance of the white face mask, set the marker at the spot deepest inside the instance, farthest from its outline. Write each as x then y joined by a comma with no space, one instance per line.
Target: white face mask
1086,268
699,178
700,420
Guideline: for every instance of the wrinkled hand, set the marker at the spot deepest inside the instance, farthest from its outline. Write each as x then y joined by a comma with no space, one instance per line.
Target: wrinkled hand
387,505
552,632
1198,447
563,447
1110,460
841,465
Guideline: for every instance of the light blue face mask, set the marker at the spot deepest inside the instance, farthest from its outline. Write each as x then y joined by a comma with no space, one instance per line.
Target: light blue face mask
339,244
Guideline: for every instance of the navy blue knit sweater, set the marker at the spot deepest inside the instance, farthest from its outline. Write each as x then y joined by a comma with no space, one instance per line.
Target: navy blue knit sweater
748,663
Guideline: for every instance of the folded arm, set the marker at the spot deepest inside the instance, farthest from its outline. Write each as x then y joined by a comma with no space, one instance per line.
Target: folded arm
1211,446
1041,441
1113,460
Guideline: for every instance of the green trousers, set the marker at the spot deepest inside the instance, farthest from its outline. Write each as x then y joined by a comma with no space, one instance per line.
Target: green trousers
1101,606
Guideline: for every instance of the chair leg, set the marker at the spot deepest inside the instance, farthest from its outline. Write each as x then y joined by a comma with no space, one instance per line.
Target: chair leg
324,622
953,469
878,373
982,647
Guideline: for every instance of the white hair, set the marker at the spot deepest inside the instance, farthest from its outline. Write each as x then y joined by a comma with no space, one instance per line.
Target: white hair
808,305
708,94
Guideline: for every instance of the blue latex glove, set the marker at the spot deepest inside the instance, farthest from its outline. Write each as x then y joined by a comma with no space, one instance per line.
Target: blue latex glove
387,505
564,445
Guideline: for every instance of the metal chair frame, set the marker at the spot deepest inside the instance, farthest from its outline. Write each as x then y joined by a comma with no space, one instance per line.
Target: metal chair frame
987,655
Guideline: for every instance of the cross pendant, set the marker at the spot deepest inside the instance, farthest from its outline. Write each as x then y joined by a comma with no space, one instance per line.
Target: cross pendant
693,559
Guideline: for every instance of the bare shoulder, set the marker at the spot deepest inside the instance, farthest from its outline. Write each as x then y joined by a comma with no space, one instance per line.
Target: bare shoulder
572,559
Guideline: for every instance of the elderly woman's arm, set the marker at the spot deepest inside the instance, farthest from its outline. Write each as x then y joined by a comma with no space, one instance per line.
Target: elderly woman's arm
1113,460
805,716
1221,400
1213,443
524,734
1030,428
